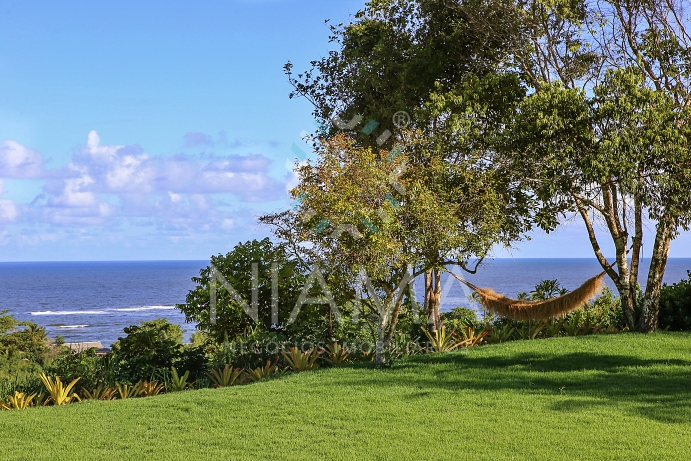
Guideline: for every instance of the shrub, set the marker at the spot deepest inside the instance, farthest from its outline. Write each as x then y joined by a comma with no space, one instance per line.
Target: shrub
86,365
148,350
236,267
461,317
675,305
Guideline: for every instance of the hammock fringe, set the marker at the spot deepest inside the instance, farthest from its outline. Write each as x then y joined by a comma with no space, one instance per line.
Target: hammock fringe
541,310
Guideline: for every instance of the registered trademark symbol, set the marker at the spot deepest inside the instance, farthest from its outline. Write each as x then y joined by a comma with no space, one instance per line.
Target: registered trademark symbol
401,119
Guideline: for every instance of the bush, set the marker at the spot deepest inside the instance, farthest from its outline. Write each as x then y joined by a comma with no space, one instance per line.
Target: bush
236,267
86,365
675,305
461,317
147,352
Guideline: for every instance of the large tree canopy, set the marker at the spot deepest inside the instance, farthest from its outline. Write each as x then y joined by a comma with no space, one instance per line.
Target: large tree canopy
604,131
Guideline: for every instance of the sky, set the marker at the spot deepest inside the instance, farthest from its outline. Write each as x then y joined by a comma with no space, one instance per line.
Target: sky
161,130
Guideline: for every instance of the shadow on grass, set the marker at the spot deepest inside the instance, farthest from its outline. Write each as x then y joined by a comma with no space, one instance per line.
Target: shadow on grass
656,389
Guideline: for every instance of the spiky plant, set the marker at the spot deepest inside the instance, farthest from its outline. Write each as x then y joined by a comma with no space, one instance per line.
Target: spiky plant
127,391
101,392
177,382
472,338
226,377
302,361
150,388
443,341
336,354
18,401
260,373
58,393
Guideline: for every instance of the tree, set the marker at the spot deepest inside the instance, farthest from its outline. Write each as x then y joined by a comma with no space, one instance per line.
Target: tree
604,132
261,274
442,62
148,349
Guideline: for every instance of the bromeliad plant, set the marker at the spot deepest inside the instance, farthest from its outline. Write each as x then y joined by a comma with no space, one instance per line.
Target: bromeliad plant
226,377
179,383
150,388
336,354
59,394
18,401
126,391
472,338
260,373
302,361
443,341
101,392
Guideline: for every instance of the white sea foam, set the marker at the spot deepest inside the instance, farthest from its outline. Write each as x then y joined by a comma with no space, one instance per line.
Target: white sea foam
144,308
87,312
73,326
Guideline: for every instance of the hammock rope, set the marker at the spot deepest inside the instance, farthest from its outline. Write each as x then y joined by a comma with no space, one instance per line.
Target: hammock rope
517,309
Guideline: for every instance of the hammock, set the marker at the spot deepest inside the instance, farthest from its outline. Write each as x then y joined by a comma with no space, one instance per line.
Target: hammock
537,310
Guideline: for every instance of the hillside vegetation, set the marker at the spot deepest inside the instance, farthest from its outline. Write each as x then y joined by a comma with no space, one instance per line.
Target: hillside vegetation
560,398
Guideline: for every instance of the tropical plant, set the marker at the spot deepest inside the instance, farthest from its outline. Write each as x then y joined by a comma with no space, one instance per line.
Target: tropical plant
336,354
553,328
148,350
100,392
18,401
500,333
471,337
127,391
259,373
675,305
253,268
299,360
179,383
443,341
58,393
150,388
531,329
226,377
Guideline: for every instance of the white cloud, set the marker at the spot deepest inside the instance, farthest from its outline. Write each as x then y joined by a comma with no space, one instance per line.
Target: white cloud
17,161
8,211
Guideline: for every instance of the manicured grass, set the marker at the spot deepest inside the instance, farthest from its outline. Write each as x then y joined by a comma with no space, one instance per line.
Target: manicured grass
623,396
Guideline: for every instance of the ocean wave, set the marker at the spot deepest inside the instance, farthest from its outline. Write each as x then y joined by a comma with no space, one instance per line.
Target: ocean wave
73,326
86,312
144,308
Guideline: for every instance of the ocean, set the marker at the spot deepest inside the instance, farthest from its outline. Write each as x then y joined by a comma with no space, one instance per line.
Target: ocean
94,301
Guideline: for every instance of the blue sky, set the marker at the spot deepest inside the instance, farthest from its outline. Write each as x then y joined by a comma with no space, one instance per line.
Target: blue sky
160,130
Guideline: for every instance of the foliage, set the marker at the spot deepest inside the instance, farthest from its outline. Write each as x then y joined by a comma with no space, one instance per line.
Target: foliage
472,337
236,267
150,388
58,393
260,373
100,392
443,340
148,350
225,377
299,360
18,401
127,391
461,317
675,305
500,333
22,340
337,354
86,365
178,383
524,389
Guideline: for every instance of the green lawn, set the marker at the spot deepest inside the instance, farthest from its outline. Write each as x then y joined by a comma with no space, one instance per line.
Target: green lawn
622,396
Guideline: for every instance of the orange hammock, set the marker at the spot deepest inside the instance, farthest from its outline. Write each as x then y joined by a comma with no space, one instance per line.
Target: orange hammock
537,310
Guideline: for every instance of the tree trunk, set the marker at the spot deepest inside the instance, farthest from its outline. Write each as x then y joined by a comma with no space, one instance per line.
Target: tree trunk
433,300
650,306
